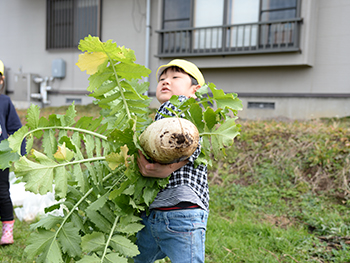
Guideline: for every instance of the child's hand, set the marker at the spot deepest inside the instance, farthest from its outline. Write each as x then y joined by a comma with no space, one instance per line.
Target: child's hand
158,170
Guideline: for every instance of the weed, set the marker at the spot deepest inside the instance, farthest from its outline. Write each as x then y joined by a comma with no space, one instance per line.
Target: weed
281,194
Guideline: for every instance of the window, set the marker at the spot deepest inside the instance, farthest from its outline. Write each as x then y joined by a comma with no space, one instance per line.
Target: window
206,27
176,15
277,33
68,21
208,13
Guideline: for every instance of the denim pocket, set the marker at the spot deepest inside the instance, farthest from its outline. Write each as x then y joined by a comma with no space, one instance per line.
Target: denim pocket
186,221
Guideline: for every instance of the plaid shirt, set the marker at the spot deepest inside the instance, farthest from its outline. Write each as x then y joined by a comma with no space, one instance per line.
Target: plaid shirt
187,184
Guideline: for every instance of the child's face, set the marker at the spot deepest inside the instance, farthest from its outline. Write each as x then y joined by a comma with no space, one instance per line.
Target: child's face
174,83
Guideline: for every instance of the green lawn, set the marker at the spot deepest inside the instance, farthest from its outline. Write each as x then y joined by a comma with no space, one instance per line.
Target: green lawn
280,195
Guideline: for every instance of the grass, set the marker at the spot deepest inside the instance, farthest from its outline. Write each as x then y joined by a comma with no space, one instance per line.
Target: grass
14,253
280,195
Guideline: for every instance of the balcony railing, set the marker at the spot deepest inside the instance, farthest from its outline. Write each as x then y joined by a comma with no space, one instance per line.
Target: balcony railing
260,37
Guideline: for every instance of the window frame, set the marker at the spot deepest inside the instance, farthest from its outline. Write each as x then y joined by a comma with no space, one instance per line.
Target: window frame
225,27
52,34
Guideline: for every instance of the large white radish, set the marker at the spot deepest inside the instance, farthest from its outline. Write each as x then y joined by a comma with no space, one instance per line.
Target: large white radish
170,140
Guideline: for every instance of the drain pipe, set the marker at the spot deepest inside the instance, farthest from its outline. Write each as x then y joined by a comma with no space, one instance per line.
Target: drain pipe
148,33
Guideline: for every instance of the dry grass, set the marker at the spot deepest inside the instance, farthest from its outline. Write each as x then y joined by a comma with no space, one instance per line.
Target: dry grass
314,155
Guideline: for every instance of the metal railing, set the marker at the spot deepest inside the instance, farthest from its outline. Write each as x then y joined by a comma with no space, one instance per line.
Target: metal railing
260,37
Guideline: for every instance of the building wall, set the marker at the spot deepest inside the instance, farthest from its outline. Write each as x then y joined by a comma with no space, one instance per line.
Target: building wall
24,51
322,66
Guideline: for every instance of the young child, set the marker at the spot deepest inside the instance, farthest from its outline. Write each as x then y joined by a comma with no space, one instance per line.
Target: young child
176,225
9,123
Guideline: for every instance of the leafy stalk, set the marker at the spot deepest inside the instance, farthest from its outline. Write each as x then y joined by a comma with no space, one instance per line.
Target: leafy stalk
119,86
92,162
109,238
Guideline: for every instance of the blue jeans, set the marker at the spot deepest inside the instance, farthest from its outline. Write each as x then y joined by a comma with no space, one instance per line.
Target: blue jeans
178,234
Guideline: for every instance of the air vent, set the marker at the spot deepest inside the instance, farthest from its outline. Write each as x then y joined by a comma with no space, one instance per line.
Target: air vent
71,100
261,105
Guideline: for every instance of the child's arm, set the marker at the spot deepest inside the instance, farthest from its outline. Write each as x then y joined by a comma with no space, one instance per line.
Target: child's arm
156,169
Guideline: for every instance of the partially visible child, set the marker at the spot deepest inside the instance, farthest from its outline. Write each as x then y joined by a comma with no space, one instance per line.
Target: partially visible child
9,124
176,225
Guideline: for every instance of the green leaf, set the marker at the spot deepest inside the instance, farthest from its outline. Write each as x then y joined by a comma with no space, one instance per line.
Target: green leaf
131,71
202,91
114,160
83,122
44,243
97,79
123,137
210,118
6,155
98,203
49,143
149,194
29,143
130,228
52,254
104,88
48,222
226,100
99,220
115,193
114,258
90,259
196,116
124,246
70,115
33,115
89,168
79,177
93,242
70,239
60,175
224,135
38,176
16,139
93,44
89,144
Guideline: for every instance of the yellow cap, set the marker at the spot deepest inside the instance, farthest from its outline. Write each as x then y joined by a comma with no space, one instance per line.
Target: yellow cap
2,68
187,66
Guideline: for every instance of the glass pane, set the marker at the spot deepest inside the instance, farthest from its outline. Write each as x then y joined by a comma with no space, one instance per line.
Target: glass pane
273,4
85,22
62,24
175,42
208,13
243,11
69,21
176,24
277,34
240,12
177,14
177,9
278,15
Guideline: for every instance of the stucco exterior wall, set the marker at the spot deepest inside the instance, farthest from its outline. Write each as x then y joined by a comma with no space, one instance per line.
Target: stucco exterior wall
297,108
322,66
23,50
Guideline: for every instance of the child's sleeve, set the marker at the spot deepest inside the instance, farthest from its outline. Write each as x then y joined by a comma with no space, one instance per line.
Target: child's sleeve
13,124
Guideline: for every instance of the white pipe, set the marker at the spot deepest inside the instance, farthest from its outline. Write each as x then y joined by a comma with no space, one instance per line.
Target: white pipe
148,32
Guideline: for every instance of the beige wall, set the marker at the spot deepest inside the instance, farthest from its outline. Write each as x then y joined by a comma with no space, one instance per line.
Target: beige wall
297,108
322,66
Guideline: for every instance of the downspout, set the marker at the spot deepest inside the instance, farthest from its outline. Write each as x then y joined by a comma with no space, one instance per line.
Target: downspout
148,32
